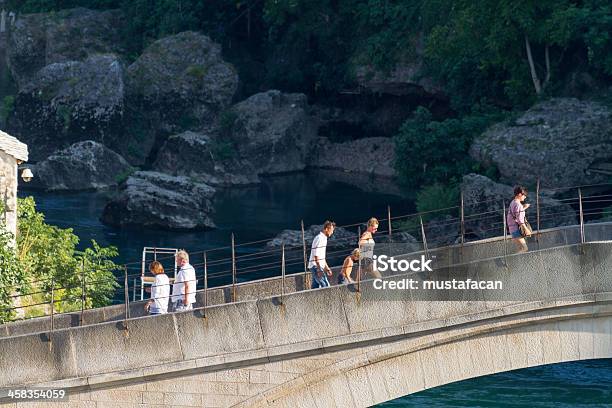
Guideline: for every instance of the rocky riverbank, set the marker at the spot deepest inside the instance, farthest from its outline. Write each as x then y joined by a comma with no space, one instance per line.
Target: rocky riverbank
92,115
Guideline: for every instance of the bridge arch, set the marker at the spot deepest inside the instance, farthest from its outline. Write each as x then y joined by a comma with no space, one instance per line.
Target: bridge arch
559,334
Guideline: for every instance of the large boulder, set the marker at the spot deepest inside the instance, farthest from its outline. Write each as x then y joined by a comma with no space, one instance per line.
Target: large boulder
151,199
82,166
179,82
66,102
201,156
557,140
268,133
370,156
341,238
484,201
38,40
366,164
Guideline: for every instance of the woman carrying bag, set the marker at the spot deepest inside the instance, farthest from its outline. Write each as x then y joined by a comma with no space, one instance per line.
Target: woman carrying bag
518,226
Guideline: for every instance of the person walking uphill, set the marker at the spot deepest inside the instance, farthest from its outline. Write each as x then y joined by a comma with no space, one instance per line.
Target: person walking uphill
184,288
516,218
317,265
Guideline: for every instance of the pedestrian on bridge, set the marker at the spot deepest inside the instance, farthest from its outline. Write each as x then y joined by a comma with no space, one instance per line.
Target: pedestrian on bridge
317,264
516,218
347,267
366,246
160,291
184,288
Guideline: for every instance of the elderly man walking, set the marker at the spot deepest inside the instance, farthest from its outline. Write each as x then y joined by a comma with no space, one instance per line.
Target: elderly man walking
184,288
317,265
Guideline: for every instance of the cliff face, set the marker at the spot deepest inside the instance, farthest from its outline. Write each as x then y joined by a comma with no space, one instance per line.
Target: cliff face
178,83
74,84
557,140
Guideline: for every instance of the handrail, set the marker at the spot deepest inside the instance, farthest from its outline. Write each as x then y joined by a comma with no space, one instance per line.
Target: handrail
419,227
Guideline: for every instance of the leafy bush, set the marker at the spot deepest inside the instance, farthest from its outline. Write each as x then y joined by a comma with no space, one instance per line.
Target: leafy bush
47,253
428,151
8,104
197,71
123,176
434,201
438,197
12,277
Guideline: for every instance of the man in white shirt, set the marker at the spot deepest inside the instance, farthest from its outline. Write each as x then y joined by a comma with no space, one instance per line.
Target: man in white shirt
184,288
317,265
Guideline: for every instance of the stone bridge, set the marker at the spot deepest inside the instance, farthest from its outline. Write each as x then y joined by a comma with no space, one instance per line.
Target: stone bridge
331,347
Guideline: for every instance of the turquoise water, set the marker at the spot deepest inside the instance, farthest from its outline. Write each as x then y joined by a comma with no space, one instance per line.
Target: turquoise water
259,212
575,384
252,214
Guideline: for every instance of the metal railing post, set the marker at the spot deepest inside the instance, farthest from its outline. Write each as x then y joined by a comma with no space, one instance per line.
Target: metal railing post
424,238
126,298
360,256
142,274
389,224
538,211
462,220
82,291
282,273
233,269
505,232
205,284
52,307
304,251
582,238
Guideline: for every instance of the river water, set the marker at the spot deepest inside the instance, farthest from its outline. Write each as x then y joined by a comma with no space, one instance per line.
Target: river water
260,212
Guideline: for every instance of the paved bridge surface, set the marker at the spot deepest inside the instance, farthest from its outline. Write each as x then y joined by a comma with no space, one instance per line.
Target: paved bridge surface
331,347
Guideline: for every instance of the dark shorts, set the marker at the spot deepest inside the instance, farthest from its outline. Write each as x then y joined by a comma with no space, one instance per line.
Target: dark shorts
317,282
517,234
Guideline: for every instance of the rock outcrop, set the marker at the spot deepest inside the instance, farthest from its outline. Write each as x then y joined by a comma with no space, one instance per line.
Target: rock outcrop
484,200
66,102
268,133
38,40
341,238
179,82
405,78
367,157
151,199
556,140
82,166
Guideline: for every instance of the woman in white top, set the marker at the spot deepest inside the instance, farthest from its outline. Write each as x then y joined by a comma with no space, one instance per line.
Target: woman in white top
160,291
366,246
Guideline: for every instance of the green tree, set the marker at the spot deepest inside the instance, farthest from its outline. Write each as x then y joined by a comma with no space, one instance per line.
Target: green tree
12,277
521,42
46,254
429,151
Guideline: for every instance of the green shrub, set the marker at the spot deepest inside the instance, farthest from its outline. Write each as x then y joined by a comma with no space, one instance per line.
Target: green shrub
435,201
222,150
197,71
429,151
123,176
64,116
227,122
8,105
47,253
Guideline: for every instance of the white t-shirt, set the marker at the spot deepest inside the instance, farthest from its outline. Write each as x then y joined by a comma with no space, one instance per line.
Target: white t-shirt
160,293
185,274
319,244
